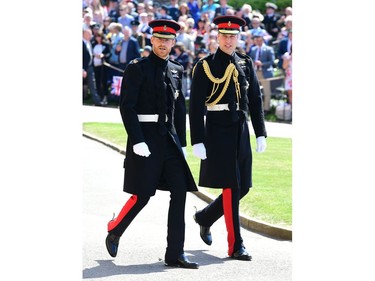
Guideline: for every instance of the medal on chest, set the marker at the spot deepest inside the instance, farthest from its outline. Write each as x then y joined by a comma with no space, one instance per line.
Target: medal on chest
174,73
176,93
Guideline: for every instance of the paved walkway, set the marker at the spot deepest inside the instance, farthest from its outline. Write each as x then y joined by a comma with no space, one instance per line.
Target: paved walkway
142,246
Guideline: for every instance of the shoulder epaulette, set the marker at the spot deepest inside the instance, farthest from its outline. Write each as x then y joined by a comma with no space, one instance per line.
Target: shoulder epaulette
175,62
244,58
137,60
243,55
207,57
201,60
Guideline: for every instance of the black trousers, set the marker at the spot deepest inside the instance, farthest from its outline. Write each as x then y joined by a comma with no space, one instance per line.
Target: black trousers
226,204
101,80
174,174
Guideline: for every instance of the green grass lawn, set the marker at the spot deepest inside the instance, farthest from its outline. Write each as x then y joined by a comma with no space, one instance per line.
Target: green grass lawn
270,198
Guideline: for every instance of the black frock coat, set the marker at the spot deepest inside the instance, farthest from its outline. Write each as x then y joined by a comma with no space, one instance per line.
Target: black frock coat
225,134
139,96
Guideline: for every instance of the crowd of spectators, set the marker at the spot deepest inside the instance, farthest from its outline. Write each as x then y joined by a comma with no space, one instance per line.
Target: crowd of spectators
122,26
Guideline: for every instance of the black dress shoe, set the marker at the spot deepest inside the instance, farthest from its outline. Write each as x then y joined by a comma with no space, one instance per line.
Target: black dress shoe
182,261
112,242
205,233
241,254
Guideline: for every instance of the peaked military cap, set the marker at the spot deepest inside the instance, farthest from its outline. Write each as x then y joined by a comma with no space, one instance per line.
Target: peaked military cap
229,24
164,7
134,23
271,5
147,48
164,28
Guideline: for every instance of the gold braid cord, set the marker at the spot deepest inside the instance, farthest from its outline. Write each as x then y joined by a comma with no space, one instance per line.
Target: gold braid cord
229,72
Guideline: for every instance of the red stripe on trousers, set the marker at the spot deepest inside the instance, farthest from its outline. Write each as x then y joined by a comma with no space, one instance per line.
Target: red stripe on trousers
127,207
228,216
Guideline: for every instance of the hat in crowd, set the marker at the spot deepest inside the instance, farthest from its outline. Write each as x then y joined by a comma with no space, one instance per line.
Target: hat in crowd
257,14
229,24
257,34
115,25
164,28
96,25
165,8
271,5
202,51
147,48
88,14
134,22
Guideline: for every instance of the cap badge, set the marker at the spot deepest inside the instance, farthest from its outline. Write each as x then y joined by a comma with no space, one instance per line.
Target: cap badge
165,27
229,23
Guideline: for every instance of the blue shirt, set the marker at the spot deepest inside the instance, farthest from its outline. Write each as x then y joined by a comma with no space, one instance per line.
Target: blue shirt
116,39
124,48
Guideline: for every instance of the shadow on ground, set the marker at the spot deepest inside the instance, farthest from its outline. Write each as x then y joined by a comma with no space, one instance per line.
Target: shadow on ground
107,268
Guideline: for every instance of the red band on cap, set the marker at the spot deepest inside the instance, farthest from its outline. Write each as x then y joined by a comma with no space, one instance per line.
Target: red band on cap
228,25
163,29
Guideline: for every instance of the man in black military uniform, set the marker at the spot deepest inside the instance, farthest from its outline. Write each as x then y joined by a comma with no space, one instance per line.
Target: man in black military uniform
225,84
153,111
270,21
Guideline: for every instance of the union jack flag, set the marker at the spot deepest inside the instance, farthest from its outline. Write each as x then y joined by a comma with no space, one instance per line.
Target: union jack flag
116,85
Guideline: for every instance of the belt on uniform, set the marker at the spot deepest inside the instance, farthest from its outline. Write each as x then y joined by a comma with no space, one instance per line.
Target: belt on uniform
150,118
220,107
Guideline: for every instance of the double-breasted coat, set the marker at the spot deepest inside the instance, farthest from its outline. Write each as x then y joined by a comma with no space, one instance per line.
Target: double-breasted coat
141,94
225,134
